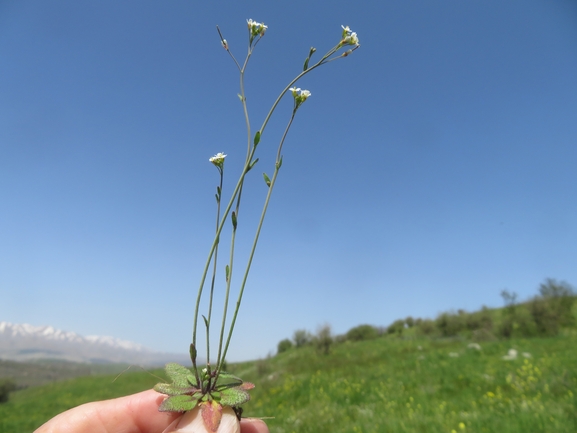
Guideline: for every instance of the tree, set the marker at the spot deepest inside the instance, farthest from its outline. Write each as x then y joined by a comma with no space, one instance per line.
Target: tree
284,345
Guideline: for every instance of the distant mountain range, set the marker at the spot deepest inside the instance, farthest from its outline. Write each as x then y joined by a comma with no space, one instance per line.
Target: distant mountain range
24,342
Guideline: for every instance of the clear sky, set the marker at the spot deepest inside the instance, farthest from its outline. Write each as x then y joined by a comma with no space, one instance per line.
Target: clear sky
430,170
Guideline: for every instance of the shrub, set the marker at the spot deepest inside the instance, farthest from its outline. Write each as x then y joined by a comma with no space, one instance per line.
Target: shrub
6,387
560,297
397,327
284,345
450,325
362,332
301,337
323,340
425,326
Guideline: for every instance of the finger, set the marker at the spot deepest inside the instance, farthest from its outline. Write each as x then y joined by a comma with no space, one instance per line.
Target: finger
253,425
137,413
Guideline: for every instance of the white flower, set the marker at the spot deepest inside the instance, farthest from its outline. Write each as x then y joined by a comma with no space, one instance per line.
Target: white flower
218,159
349,37
295,91
352,39
256,28
299,95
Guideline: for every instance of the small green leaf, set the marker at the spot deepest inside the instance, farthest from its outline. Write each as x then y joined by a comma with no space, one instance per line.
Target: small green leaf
205,321
234,397
227,380
306,65
179,403
227,272
178,374
279,163
266,179
251,165
192,352
234,221
257,138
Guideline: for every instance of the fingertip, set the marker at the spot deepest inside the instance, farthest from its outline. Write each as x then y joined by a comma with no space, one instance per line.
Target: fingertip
253,425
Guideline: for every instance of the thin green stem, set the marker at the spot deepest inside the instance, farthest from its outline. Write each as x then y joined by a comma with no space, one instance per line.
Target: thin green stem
255,241
236,193
213,247
322,61
219,196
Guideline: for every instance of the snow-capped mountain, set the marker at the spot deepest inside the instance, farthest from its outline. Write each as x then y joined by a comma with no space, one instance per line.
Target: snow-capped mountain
24,342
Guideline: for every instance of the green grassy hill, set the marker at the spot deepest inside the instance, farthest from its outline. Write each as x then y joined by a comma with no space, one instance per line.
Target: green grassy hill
380,385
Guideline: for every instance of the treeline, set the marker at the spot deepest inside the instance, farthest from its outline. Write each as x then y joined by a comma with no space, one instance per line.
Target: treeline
543,315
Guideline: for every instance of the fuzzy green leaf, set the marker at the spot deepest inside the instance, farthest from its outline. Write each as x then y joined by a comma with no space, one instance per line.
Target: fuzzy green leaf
233,397
266,179
227,380
257,138
178,374
169,389
179,403
279,163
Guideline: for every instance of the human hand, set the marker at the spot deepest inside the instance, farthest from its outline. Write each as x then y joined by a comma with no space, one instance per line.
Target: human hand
137,413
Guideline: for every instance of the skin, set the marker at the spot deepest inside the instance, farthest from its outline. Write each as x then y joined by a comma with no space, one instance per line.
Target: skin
137,413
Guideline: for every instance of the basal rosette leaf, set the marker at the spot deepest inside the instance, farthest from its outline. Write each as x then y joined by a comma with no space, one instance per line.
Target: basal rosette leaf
179,403
171,389
228,380
179,375
211,413
234,397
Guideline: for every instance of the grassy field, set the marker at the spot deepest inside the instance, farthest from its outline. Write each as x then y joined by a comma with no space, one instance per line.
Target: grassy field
381,385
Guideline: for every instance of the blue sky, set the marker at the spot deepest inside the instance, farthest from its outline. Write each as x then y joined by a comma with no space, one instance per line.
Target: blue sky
428,171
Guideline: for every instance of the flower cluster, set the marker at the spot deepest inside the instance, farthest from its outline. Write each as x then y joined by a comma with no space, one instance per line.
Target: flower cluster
218,159
256,29
299,95
349,37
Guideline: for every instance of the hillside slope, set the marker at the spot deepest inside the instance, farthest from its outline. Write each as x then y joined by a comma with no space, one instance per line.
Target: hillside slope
381,385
